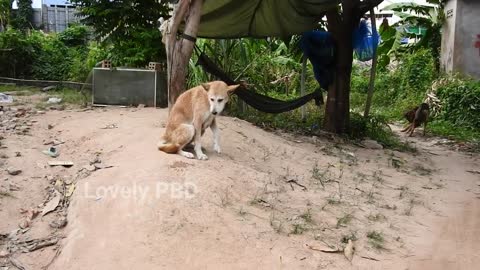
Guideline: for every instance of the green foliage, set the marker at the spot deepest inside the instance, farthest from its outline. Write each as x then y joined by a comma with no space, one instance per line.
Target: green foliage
18,53
39,56
399,90
52,60
24,15
460,102
128,29
427,17
74,35
376,128
137,50
5,9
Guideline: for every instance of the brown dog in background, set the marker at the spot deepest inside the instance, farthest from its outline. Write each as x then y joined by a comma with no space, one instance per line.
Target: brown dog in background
416,117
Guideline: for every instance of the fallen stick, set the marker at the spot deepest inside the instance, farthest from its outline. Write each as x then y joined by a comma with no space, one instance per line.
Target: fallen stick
17,264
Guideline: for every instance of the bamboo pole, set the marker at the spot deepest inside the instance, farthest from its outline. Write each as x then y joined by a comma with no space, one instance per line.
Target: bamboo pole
373,70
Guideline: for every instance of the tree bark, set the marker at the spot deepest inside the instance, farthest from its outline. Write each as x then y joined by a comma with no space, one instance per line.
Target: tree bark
180,50
337,110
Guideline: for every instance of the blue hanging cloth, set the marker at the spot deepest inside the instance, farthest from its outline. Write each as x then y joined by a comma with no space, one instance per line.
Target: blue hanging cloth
319,48
365,41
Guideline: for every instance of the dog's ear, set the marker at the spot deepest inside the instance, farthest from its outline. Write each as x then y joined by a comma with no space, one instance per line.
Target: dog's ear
232,88
206,86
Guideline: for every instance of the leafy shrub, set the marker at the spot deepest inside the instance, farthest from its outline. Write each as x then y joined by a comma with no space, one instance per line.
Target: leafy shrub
75,35
18,53
52,60
461,102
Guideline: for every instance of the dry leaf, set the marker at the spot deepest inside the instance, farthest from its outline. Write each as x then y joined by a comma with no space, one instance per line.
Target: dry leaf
348,251
52,204
70,190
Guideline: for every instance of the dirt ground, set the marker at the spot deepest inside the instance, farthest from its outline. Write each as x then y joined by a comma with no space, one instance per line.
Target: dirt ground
269,201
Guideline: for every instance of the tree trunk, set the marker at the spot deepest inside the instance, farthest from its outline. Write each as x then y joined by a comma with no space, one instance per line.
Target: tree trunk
337,110
180,50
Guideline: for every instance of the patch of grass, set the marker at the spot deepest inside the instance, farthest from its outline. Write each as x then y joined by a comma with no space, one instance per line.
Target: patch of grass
411,204
72,96
376,128
321,176
276,224
298,229
288,121
422,170
403,191
15,88
351,236
376,218
454,132
344,221
5,194
333,201
242,212
307,216
376,239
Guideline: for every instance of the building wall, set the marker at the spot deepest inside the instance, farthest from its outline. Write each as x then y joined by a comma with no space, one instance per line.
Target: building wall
448,36
467,38
461,38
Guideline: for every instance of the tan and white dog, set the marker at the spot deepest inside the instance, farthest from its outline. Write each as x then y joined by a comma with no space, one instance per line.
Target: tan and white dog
194,112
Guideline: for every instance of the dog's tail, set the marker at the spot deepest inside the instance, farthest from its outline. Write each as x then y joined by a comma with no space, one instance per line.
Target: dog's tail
168,147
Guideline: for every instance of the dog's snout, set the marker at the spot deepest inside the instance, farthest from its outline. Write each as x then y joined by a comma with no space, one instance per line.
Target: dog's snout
214,113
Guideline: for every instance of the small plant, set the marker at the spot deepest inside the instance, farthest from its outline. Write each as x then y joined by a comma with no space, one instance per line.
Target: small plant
276,224
242,212
351,236
4,193
298,229
376,240
344,221
333,201
403,191
411,205
321,177
422,170
377,217
307,216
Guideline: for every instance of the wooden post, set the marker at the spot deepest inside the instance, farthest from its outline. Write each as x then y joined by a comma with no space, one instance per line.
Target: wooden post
302,83
373,71
180,50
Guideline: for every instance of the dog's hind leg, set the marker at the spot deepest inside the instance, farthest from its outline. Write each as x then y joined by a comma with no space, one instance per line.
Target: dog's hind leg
407,128
182,136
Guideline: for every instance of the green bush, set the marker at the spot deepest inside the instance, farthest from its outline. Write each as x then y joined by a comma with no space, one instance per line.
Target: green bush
18,53
460,102
75,35
52,60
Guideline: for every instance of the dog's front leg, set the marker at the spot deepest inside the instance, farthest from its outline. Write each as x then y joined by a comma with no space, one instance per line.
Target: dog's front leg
197,139
216,136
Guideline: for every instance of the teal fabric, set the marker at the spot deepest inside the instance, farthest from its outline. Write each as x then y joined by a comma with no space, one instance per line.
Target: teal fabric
261,18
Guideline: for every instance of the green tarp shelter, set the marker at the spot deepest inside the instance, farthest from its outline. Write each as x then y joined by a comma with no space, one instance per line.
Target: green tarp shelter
261,18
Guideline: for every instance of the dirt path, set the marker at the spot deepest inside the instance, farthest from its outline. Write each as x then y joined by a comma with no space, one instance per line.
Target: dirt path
453,238
259,205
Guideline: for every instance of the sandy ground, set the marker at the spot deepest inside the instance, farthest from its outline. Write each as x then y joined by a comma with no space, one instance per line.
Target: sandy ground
269,201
